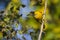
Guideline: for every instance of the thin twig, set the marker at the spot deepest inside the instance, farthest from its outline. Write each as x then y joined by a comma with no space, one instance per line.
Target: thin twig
43,20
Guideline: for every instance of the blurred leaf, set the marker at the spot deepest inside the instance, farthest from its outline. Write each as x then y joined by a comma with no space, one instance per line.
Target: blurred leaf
33,23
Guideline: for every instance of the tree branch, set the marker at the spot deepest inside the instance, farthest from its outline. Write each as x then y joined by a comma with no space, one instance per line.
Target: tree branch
43,20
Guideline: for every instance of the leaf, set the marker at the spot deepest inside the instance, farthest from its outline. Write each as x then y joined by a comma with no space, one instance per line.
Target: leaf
33,23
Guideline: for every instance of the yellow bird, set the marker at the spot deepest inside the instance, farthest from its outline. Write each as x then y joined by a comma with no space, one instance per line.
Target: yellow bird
38,13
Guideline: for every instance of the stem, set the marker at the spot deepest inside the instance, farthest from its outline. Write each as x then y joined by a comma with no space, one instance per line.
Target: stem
43,21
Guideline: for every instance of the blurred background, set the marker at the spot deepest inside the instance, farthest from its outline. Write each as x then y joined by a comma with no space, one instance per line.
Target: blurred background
22,19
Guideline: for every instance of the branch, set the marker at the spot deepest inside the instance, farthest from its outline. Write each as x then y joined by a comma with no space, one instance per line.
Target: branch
43,20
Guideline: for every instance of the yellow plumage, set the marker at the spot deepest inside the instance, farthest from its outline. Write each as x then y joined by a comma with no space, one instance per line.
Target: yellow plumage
38,13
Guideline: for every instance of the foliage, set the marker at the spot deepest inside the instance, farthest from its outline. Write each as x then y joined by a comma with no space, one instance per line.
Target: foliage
21,20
